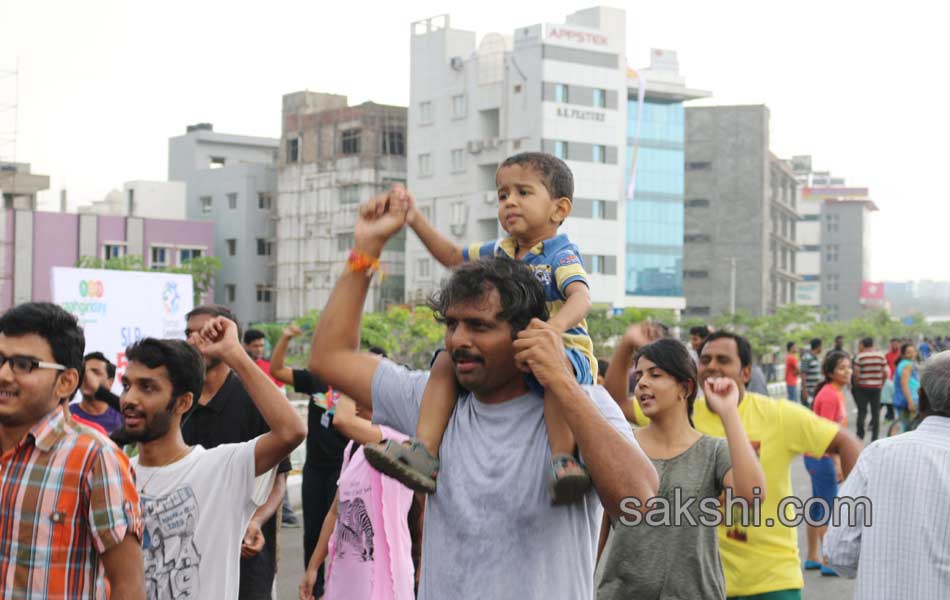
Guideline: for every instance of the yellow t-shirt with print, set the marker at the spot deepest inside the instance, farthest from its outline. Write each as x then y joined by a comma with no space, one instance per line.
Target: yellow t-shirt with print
765,559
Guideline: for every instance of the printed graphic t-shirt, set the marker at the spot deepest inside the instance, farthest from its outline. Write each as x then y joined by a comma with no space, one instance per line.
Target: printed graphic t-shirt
765,559
370,551
196,511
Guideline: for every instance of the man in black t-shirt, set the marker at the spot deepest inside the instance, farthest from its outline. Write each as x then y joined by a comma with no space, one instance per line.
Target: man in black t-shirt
225,414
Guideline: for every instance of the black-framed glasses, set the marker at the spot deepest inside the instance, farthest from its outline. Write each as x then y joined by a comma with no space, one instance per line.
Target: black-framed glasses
24,365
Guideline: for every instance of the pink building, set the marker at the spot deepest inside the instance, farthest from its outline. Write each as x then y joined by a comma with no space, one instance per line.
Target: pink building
32,242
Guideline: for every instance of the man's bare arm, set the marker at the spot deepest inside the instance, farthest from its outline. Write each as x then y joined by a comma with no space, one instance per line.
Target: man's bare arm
334,352
846,445
277,369
125,569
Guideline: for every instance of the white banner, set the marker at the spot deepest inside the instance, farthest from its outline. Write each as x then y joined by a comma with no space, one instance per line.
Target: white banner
117,308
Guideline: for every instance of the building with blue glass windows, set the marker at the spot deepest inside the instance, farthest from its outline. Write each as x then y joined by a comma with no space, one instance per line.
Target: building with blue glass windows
654,214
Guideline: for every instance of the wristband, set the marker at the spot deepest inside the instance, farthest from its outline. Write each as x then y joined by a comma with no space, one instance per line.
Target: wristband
360,262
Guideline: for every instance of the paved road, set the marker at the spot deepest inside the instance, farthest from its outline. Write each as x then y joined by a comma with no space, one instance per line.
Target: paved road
816,586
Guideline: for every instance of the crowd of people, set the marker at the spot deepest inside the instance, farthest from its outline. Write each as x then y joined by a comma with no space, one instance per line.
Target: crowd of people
517,466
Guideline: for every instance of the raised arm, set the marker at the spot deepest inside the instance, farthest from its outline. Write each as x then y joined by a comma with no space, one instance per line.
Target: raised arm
218,339
277,369
618,468
334,355
617,380
441,247
745,477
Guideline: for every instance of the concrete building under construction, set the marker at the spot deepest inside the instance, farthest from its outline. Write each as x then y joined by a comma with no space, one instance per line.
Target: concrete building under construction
332,157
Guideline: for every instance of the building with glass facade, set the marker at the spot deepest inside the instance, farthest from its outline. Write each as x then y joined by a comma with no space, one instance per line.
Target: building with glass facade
654,215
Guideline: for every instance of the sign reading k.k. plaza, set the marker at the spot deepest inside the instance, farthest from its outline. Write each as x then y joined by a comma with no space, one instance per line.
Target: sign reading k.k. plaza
583,115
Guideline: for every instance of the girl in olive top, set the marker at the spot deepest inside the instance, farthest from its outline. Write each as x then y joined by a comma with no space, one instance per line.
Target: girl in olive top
669,560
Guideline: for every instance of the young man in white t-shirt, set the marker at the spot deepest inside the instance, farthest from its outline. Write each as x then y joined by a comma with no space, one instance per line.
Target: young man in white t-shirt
197,503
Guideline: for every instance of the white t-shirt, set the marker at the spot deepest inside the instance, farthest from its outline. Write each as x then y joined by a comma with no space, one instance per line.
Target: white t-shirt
196,511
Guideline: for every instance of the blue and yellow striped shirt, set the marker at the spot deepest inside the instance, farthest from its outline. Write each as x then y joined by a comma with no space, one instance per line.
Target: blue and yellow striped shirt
557,263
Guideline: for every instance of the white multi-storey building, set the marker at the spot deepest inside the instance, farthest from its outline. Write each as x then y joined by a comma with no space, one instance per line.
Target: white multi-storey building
557,88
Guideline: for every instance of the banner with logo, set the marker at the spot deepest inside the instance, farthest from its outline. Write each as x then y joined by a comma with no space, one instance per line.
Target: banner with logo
117,308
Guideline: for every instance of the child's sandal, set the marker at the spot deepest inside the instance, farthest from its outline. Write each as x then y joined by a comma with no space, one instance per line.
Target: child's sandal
570,480
410,463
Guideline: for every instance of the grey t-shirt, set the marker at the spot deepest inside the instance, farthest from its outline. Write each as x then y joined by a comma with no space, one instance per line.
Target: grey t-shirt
668,562
490,530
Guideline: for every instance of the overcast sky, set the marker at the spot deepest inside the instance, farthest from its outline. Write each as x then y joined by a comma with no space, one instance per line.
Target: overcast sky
103,83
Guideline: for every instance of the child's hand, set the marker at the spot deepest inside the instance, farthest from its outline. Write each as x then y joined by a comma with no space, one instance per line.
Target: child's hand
411,211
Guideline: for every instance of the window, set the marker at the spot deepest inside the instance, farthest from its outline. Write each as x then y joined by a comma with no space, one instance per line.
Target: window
698,311
159,257
560,150
216,162
425,165
185,254
350,194
698,166
598,209
425,113
600,153
264,200
394,141
697,203
600,98
458,213
833,222
831,253
596,264
263,293
293,150
230,293
696,237
205,205
263,247
458,160
831,283
351,141
560,93
696,274
344,241
232,246
422,268
232,201
459,106
113,250
518,88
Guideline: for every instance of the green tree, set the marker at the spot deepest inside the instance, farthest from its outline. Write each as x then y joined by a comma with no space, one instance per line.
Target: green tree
202,269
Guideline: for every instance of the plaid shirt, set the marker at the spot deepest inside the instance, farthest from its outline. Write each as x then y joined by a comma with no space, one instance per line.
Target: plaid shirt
67,494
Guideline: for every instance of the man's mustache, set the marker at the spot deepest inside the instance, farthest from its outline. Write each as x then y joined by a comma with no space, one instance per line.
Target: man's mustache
464,355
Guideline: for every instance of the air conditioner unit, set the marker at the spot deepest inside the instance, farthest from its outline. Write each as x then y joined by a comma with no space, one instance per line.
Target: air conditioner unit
490,197
475,146
456,63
